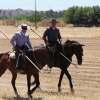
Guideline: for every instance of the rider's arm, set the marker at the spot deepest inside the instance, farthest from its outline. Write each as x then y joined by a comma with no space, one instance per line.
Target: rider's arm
45,36
59,37
13,40
60,41
29,43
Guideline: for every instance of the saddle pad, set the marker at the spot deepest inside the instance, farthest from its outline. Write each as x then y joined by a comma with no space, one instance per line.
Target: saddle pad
12,55
39,46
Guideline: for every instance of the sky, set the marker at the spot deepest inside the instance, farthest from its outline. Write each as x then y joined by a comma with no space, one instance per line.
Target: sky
44,5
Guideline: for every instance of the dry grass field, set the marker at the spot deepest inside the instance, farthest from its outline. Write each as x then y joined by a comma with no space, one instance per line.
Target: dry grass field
85,78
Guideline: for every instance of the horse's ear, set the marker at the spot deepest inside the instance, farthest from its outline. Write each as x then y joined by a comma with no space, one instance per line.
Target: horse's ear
76,44
68,41
81,44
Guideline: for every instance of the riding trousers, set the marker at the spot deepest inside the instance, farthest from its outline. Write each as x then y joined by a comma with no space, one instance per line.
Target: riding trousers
20,58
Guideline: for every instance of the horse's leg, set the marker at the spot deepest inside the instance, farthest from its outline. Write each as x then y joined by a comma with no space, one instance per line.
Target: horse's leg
70,79
28,85
14,76
34,82
60,80
37,82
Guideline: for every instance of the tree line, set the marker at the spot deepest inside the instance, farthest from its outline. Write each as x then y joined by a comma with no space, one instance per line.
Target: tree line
39,16
78,16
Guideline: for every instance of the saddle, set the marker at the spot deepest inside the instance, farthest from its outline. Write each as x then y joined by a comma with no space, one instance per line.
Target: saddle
13,56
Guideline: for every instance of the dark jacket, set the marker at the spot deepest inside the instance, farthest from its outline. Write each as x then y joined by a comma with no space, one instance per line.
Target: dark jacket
51,35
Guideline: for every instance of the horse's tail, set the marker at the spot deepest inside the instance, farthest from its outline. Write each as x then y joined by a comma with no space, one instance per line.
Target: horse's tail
2,68
1,55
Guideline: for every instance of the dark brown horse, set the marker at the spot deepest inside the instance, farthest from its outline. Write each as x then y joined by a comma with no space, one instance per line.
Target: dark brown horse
6,63
70,48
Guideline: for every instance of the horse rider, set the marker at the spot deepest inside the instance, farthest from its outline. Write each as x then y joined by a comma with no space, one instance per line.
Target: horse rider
52,39
20,41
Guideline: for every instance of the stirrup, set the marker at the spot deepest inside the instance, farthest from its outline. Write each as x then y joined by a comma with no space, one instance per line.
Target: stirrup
19,70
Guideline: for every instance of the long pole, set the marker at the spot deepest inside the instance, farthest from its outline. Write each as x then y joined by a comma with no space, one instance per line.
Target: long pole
67,58
23,53
36,33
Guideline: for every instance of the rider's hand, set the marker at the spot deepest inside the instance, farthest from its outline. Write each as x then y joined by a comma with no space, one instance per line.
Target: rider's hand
15,48
47,43
60,41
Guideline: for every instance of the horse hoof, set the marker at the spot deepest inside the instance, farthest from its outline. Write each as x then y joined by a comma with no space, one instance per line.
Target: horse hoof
18,97
72,91
17,94
29,94
59,89
40,89
30,97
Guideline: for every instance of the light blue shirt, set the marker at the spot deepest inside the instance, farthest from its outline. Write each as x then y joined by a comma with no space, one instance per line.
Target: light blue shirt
21,39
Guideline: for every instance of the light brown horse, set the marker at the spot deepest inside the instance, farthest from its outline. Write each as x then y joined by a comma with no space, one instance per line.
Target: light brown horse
6,63
70,48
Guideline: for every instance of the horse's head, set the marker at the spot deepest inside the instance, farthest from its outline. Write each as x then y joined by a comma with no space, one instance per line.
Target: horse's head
73,47
78,50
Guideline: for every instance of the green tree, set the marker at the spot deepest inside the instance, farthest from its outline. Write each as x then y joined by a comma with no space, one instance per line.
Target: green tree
83,16
69,15
19,17
31,18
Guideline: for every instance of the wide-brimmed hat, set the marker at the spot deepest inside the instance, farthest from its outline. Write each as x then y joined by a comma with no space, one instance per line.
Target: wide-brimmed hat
53,21
24,27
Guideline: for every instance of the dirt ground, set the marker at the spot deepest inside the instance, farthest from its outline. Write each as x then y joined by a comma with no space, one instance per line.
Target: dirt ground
85,78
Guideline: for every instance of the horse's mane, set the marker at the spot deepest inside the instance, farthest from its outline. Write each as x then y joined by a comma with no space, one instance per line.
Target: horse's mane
40,46
69,42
